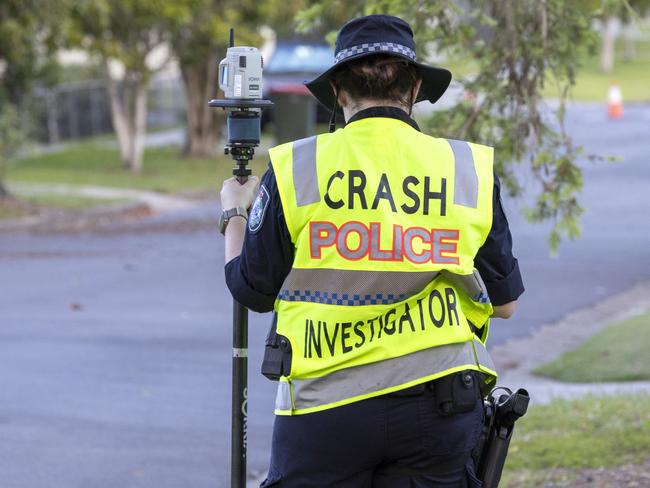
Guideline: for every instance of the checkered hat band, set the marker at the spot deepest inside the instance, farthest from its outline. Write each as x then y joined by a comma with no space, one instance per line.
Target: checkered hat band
375,47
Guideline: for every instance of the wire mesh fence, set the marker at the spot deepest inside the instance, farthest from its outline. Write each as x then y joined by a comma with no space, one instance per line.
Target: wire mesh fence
82,109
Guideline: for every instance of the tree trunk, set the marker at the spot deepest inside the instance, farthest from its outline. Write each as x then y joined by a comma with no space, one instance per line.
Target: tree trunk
4,193
608,36
139,127
203,122
129,116
118,117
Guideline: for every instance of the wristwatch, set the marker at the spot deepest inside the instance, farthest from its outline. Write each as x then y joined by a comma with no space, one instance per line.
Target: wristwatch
226,215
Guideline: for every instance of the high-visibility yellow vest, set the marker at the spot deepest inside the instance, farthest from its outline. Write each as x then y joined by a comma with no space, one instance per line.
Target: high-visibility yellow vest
386,222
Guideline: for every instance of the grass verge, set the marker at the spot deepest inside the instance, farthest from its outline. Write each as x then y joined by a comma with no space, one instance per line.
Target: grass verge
618,353
631,75
96,163
591,83
567,436
72,202
26,206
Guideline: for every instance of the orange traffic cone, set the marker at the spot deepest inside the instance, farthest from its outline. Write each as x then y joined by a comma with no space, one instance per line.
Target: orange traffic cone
614,102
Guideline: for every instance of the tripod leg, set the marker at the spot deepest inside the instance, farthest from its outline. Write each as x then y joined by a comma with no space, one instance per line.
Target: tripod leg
239,396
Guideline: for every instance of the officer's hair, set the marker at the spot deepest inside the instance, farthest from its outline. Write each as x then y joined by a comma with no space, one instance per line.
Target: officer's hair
378,77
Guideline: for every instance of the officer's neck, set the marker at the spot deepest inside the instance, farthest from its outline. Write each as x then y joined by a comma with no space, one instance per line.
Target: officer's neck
350,109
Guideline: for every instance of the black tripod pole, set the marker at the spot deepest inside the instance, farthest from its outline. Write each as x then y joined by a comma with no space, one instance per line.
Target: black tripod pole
239,360
243,136
239,395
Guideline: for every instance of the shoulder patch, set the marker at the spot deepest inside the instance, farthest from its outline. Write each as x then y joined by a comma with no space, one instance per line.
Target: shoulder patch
258,210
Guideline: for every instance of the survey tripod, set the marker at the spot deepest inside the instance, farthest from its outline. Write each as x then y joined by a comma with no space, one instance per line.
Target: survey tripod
243,125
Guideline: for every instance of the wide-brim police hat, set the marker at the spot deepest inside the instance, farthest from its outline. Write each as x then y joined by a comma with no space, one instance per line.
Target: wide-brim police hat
379,34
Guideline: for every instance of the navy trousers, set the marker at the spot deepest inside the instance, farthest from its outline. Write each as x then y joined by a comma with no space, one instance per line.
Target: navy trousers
391,441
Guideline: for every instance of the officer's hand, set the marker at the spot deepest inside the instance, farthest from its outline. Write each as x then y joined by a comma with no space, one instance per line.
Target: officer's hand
234,194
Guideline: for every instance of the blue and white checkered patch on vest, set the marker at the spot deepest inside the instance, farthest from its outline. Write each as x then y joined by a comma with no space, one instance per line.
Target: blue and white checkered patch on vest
334,298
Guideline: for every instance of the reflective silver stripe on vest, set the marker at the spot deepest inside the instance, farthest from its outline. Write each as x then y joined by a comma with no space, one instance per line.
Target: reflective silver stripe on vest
472,284
283,396
370,378
466,179
331,286
305,176
483,356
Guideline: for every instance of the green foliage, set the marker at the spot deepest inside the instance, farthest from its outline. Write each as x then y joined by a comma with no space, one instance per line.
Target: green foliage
619,353
589,432
125,30
198,27
512,46
627,10
30,32
325,18
29,35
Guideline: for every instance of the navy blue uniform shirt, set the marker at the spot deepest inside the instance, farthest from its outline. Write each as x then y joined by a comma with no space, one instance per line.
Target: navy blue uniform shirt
256,276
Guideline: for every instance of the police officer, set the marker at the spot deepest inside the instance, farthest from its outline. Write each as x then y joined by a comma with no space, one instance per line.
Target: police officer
370,244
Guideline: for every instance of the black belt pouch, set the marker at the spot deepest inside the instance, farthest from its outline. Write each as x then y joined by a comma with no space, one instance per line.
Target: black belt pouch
456,393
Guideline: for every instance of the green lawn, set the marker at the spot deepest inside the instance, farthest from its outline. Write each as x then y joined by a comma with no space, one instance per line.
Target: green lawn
26,205
591,84
632,76
93,163
71,202
618,353
591,432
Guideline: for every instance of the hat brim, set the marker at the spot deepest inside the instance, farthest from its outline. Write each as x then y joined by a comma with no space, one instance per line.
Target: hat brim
435,81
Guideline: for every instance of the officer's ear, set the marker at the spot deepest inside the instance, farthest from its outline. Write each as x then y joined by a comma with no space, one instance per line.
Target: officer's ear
414,94
340,96
416,88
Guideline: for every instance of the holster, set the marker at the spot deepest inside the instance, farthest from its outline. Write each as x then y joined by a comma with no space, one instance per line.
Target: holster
277,353
491,451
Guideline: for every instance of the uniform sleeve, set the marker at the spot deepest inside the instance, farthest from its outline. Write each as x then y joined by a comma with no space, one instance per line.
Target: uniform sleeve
495,261
256,276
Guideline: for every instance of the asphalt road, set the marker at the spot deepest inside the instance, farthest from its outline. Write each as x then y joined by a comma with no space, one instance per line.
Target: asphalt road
115,348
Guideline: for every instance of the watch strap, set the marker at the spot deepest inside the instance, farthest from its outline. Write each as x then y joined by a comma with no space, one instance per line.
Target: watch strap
228,214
